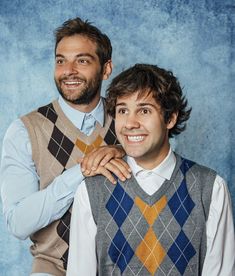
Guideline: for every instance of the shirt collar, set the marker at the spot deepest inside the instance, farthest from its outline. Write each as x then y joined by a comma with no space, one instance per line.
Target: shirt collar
164,169
77,117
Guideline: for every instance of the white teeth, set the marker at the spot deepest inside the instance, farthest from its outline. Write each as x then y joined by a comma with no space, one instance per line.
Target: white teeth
72,82
135,138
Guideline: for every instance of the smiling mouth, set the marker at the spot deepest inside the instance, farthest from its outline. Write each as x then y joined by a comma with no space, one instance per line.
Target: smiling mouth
135,138
72,84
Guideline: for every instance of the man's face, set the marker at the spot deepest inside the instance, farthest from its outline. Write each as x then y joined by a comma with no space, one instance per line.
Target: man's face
78,73
141,129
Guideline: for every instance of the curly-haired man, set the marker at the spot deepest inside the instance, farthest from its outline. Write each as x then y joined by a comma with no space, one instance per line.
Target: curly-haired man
173,216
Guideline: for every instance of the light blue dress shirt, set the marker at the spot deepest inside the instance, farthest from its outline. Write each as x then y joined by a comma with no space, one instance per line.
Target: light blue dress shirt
26,208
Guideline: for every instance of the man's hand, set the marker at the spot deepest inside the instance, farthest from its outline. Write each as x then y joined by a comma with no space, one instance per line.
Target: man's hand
116,166
106,160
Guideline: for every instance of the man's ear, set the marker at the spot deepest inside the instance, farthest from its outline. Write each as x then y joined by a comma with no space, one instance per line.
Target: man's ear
172,121
107,70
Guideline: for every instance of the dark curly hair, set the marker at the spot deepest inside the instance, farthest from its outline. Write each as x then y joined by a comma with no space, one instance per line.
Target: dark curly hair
163,85
85,28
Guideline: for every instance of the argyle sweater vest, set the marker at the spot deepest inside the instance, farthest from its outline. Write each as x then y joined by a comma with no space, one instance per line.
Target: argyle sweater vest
56,146
161,234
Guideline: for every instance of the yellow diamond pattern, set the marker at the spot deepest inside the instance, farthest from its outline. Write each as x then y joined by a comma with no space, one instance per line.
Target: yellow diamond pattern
150,252
88,148
151,212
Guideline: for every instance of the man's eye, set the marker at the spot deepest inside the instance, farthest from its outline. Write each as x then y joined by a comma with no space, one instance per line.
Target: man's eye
83,61
145,111
59,61
122,111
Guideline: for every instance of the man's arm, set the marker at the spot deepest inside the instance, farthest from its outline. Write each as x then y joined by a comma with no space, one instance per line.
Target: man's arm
82,248
220,255
27,209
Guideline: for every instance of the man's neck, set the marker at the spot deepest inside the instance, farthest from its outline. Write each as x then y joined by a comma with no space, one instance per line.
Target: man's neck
164,169
85,108
151,162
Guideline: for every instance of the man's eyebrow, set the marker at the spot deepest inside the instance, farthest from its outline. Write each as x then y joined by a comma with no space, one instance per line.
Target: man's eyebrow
59,55
146,104
121,103
85,55
77,56
140,104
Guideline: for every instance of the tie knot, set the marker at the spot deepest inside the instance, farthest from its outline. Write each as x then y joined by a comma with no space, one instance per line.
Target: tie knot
88,124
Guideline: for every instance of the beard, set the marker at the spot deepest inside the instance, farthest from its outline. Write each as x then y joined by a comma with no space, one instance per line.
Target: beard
86,94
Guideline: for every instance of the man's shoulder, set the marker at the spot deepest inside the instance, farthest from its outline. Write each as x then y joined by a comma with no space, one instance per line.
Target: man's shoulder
44,109
187,164
98,185
47,112
15,130
96,180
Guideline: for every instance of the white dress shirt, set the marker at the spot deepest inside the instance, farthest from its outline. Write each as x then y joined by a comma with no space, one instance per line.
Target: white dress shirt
220,255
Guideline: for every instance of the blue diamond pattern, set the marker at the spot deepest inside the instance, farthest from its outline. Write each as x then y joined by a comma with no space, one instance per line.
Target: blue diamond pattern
181,252
181,204
120,251
186,165
119,204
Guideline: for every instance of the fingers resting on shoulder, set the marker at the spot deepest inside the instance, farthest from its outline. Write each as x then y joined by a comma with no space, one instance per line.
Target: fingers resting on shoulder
106,160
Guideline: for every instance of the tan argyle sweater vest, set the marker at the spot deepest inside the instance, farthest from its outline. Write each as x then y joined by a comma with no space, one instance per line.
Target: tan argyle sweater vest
56,146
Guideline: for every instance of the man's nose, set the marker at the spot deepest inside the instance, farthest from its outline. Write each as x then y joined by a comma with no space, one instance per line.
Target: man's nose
132,121
69,68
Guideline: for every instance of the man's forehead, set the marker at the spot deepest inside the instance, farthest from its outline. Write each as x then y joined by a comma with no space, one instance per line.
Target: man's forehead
142,96
77,41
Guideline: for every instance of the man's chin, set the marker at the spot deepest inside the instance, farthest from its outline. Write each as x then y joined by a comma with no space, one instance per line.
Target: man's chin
79,101
69,97
78,97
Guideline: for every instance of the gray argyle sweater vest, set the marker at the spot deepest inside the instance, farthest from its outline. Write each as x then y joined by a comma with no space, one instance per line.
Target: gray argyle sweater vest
56,146
161,234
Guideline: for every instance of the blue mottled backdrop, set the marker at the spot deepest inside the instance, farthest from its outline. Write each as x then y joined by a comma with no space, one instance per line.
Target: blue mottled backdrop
195,39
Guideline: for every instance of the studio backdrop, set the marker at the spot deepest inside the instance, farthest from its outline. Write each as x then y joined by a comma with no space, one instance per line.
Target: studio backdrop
194,39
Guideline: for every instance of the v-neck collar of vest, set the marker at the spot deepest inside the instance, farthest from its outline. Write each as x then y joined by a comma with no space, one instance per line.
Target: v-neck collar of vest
73,130
151,199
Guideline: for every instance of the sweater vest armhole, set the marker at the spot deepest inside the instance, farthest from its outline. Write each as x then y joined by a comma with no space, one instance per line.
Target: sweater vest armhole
33,139
207,191
92,198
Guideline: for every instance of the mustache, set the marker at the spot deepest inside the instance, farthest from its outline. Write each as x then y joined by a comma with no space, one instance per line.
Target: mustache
72,78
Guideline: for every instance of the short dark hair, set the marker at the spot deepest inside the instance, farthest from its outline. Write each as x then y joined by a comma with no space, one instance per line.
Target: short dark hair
85,28
163,85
